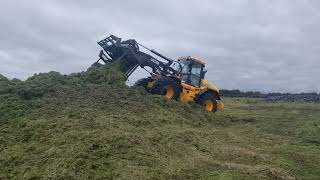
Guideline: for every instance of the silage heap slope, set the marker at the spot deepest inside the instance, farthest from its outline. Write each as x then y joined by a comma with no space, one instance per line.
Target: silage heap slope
90,125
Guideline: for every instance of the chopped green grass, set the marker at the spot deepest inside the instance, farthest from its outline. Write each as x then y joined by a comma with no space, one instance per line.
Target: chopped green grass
91,126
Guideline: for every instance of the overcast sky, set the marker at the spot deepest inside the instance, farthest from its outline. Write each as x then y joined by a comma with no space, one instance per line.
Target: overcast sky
265,45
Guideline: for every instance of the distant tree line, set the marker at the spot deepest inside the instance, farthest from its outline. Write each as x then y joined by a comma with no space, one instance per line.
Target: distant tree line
238,93
273,97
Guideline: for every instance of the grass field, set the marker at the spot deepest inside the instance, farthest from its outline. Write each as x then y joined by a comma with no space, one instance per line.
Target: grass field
111,131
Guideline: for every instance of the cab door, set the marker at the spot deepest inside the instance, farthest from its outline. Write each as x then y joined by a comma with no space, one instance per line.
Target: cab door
195,74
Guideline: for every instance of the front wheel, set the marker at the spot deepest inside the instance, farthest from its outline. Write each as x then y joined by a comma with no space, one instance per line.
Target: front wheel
209,101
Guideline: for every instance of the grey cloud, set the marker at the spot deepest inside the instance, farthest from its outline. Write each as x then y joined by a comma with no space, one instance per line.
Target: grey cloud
265,45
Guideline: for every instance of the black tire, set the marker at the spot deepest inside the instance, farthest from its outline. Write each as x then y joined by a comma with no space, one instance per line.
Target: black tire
168,87
143,83
205,99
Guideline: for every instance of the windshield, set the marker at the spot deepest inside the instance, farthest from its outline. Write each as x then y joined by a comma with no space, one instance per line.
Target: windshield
191,72
196,70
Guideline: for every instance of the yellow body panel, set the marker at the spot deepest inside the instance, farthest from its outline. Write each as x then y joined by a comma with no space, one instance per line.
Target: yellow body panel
209,85
189,93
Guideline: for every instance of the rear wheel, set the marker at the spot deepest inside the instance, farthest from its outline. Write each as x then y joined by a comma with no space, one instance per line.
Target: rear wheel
208,100
168,87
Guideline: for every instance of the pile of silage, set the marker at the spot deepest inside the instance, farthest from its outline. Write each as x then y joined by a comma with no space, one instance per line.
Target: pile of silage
18,97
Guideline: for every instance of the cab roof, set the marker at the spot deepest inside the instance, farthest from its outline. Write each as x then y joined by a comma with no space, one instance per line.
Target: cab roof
192,59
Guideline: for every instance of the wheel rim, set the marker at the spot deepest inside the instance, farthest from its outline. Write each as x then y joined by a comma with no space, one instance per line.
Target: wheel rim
168,92
208,104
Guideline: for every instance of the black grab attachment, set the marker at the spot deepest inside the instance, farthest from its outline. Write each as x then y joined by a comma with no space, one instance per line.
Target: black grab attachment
130,57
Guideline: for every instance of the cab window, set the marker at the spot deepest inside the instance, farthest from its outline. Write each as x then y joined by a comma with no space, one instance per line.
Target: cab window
196,71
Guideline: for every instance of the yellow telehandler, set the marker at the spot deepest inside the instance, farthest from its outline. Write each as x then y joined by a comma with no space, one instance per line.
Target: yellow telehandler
181,79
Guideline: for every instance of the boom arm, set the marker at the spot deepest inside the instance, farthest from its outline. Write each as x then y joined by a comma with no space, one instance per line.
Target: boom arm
130,57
